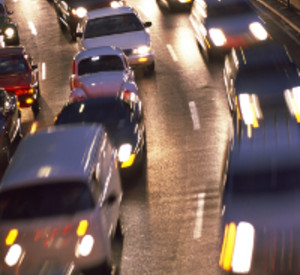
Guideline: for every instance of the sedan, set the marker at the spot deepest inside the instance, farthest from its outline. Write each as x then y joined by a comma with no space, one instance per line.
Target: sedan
10,122
20,75
220,25
101,72
8,28
124,122
261,200
121,27
265,70
70,12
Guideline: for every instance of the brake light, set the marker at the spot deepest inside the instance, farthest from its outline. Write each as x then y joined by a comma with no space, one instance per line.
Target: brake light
24,91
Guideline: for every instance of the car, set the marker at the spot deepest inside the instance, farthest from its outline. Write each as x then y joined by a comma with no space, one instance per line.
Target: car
11,133
175,5
265,69
70,12
20,75
8,28
120,27
60,200
123,119
260,200
101,71
219,26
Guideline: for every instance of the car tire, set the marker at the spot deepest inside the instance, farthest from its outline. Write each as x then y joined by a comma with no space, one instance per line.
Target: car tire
149,70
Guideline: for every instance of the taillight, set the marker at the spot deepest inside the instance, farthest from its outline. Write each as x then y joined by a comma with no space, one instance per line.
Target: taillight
24,91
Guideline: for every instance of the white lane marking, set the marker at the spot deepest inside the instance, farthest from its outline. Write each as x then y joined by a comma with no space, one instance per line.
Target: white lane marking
194,115
172,53
32,28
43,71
199,216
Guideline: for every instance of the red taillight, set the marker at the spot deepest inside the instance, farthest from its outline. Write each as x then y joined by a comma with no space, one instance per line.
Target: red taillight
23,91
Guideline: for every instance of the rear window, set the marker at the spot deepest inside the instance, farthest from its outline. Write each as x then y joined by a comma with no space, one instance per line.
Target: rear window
11,64
110,25
45,200
100,64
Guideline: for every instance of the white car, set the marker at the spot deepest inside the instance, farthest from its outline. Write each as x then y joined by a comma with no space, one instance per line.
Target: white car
60,202
101,71
121,27
219,26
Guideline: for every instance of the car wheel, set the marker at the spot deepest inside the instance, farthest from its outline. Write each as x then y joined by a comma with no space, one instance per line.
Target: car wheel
149,70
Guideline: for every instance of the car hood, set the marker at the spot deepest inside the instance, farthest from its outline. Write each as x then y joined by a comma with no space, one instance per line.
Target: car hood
233,25
15,81
265,210
129,40
102,83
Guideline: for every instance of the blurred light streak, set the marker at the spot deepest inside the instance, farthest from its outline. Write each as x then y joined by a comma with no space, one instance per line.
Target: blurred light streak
243,248
33,127
227,246
32,28
199,216
194,115
172,53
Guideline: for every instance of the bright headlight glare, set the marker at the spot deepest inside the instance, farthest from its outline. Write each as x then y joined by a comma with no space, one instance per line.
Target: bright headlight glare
85,246
243,248
9,32
116,4
13,255
217,36
79,12
124,152
142,50
258,31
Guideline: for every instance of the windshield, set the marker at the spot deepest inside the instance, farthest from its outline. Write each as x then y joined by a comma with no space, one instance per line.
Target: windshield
12,65
221,9
115,24
45,200
267,180
100,64
112,113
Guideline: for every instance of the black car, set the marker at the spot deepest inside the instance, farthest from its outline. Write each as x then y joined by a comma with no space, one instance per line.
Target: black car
265,70
70,12
8,29
124,122
260,204
10,125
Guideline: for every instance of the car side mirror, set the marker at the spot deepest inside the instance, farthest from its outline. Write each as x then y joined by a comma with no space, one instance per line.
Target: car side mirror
147,24
6,107
34,66
79,34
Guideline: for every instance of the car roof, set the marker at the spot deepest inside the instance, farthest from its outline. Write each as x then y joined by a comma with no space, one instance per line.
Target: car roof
256,54
102,12
56,153
105,50
272,148
12,50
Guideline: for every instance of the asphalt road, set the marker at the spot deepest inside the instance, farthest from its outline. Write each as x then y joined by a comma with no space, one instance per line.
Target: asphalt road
170,214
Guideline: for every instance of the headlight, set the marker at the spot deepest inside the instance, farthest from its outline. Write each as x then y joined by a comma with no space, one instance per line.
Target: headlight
9,32
85,246
237,248
124,152
79,12
142,50
116,4
13,255
217,36
258,31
